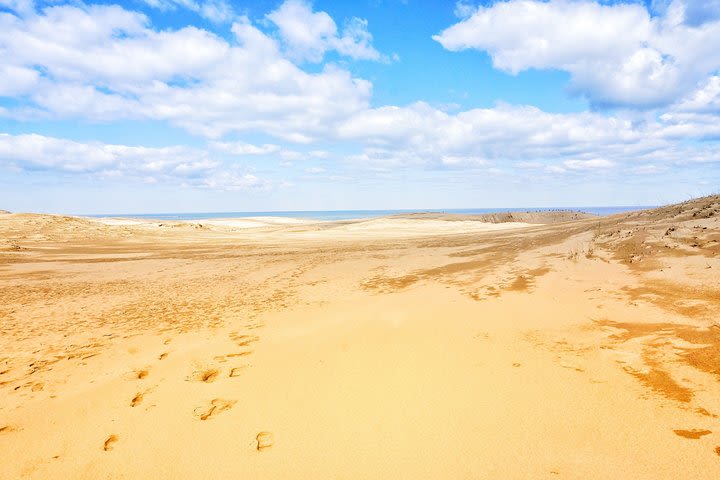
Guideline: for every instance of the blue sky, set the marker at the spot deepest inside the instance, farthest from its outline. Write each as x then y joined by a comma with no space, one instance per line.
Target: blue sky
192,105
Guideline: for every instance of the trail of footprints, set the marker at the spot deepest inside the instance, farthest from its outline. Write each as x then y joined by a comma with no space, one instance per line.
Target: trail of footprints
217,406
264,440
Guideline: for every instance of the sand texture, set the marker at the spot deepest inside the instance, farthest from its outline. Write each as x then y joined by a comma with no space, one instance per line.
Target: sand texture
410,348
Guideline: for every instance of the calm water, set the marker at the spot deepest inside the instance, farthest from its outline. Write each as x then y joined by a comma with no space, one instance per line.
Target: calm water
354,214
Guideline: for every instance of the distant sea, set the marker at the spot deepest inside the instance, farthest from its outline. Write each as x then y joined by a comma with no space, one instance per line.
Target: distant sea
356,214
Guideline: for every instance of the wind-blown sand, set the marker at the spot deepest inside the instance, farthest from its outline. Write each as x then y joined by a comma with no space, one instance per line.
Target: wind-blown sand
412,348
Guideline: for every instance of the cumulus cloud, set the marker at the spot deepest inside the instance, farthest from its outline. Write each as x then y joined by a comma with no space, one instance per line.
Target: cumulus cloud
232,181
496,132
308,35
178,164
705,99
22,6
244,148
593,164
38,152
464,9
617,55
103,62
506,138
526,137
107,63
218,11
16,80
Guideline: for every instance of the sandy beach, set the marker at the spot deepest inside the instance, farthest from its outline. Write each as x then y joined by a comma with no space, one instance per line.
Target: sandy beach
415,347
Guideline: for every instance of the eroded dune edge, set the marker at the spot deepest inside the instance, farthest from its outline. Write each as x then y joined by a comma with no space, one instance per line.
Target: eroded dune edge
425,347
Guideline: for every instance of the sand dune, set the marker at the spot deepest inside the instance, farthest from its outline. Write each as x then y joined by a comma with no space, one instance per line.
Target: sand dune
381,227
245,222
544,216
428,347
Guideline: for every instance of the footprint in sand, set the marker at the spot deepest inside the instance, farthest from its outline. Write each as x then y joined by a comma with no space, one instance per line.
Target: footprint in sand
6,429
207,375
239,354
163,356
703,411
572,367
237,371
243,340
217,406
137,399
108,445
264,440
137,374
692,434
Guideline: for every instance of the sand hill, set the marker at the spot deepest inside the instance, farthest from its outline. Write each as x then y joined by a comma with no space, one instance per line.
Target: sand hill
413,347
543,217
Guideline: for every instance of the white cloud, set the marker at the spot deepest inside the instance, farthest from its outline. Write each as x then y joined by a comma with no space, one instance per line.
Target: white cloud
38,152
308,35
419,136
502,132
705,99
234,181
647,169
243,148
685,126
15,80
291,155
356,41
319,154
178,164
507,139
106,63
22,6
616,54
464,9
217,11
462,161
594,164
698,12
106,46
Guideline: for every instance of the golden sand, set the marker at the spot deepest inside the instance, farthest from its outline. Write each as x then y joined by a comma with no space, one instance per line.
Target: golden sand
416,347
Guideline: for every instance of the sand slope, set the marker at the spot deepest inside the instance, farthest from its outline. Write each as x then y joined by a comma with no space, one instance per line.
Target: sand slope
376,349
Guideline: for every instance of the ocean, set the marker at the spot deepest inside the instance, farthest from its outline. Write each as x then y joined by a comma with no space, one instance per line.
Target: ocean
357,214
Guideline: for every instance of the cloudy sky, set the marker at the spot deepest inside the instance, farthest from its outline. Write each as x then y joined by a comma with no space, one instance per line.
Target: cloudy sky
218,105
